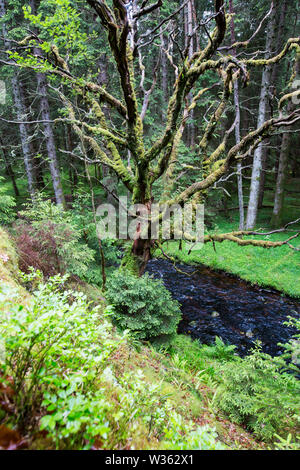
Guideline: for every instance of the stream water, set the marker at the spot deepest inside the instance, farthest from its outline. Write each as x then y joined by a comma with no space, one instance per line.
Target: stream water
218,304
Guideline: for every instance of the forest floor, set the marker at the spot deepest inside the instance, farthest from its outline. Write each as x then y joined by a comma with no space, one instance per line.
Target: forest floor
176,372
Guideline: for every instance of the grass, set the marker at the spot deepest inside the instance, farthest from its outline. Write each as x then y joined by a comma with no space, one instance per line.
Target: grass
275,267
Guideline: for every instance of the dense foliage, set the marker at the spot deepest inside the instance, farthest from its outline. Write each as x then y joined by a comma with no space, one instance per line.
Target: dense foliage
56,360
49,239
7,206
143,306
256,392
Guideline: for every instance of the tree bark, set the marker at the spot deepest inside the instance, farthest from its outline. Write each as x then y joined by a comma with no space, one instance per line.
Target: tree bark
50,142
280,30
283,163
18,97
21,115
190,42
164,76
262,112
48,131
237,129
281,177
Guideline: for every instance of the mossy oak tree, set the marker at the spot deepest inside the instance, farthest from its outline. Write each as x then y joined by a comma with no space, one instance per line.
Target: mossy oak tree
111,143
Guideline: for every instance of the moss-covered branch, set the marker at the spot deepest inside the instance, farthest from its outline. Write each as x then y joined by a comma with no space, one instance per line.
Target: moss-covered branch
235,153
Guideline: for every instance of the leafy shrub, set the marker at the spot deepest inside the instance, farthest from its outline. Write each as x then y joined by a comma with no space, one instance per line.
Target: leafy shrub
58,362
182,436
292,348
49,338
256,392
50,241
287,443
143,306
7,205
219,350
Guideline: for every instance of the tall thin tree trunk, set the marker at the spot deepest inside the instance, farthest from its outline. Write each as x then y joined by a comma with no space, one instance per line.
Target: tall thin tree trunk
280,30
42,88
281,177
276,219
190,42
164,76
237,127
19,103
263,106
21,115
37,159
49,137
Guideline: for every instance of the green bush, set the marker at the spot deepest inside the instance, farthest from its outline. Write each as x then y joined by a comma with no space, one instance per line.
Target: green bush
219,350
49,239
58,358
143,306
7,206
257,392
51,335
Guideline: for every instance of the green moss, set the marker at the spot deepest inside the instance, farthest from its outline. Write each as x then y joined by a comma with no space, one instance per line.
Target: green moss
130,262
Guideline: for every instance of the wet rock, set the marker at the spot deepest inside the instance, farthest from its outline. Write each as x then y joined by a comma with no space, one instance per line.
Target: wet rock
215,314
249,334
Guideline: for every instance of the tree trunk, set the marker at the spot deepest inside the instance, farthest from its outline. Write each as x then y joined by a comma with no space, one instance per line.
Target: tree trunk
19,103
263,104
48,131
21,115
50,143
283,162
190,43
237,128
164,76
279,191
280,33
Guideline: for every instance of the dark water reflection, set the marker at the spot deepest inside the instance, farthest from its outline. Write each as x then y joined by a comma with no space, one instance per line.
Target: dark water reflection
217,304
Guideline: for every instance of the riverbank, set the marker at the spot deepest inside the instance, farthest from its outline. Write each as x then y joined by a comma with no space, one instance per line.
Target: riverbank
276,267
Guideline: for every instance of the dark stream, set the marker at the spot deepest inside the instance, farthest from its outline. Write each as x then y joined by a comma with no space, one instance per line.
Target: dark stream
218,304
